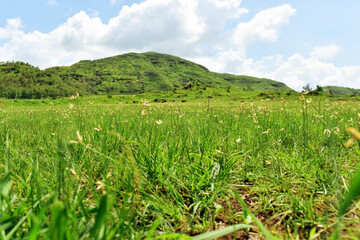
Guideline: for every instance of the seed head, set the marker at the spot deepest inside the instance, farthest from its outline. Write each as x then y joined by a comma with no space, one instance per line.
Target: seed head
327,132
267,131
80,139
353,132
145,103
356,135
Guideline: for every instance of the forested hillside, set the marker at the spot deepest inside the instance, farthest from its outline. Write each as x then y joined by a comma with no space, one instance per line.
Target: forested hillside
123,74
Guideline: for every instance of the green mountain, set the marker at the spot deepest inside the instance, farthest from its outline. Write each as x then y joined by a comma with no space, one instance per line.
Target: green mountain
341,90
253,83
123,74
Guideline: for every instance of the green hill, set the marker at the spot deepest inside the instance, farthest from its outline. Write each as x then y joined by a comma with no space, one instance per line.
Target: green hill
123,74
253,83
341,90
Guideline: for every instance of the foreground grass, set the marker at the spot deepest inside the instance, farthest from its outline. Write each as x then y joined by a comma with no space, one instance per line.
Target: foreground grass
82,169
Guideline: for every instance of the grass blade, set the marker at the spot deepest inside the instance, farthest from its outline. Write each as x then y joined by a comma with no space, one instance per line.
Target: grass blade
58,228
221,232
351,195
261,227
16,227
349,198
101,216
7,166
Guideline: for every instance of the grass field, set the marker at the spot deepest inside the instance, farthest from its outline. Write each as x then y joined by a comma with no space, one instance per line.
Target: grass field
108,168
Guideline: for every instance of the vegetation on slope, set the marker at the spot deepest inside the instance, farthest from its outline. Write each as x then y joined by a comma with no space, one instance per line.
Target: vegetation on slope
124,74
341,90
21,80
253,83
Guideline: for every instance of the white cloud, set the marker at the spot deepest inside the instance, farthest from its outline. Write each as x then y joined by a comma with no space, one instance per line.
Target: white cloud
52,2
11,29
265,26
325,52
181,27
194,29
232,57
74,40
297,71
230,61
155,24
92,13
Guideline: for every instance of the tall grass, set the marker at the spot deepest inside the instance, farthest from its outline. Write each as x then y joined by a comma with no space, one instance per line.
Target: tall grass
134,171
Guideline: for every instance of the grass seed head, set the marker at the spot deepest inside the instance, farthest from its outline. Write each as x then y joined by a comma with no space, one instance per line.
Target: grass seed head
79,137
353,132
99,185
98,128
145,103
356,135
350,142
327,132
267,131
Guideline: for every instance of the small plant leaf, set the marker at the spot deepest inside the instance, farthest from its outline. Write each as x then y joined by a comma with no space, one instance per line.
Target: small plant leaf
6,188
221,232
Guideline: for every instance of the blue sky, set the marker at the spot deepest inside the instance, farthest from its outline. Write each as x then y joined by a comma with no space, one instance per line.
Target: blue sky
295,42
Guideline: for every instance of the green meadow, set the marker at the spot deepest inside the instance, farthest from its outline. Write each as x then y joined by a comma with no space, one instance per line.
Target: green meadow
243,165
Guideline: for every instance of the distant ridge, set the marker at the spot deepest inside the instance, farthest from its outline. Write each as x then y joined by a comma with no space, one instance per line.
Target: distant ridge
341,90
129,73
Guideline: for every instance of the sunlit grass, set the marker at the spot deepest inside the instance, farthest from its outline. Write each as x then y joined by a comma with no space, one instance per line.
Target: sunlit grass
85,168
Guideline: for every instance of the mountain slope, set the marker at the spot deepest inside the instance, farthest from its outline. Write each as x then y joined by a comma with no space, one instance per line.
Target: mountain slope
341,90
134,73
21,80
253,83
123,74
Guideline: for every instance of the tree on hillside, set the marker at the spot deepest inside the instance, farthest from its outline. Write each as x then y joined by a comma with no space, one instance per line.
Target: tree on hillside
307,88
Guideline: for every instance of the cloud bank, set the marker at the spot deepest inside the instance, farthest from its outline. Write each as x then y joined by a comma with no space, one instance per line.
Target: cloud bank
198,30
